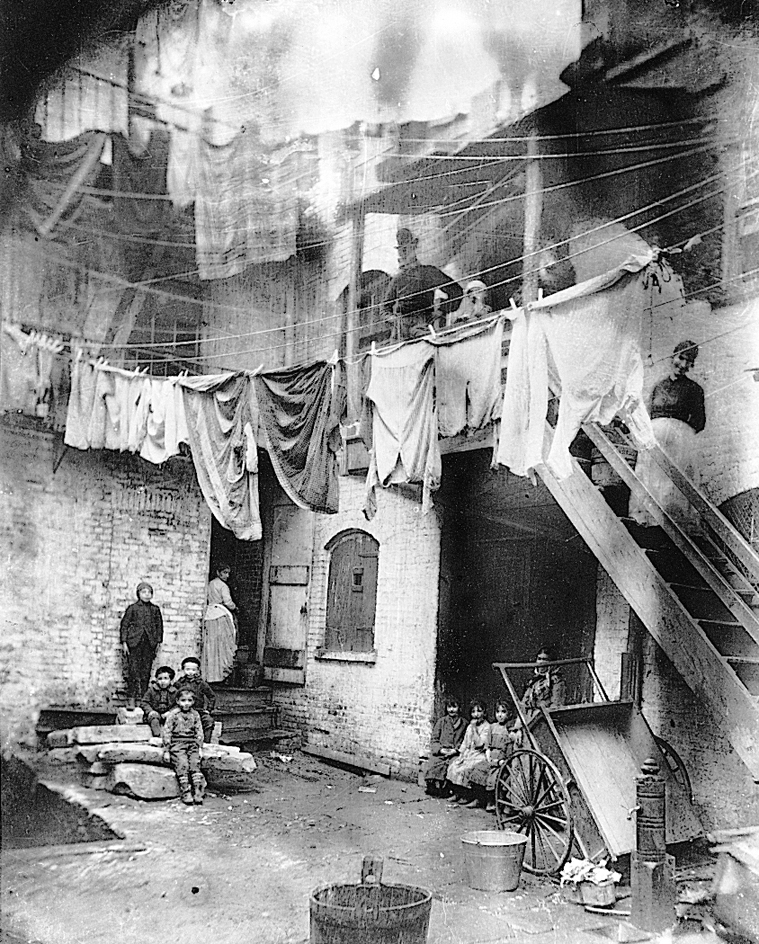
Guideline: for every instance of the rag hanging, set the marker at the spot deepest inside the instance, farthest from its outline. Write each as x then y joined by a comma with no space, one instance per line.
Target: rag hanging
300,409
242,213
221,421
164,425
468,376
587,338
29,372
404,422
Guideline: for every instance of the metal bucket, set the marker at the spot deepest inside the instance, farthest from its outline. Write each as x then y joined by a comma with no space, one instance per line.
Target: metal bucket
494,859
370,913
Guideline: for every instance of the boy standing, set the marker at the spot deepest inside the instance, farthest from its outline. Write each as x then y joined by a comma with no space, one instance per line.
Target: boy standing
159,699
183,738
205,696
141,634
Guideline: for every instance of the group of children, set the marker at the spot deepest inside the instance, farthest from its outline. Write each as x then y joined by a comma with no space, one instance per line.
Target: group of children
181,713
465,759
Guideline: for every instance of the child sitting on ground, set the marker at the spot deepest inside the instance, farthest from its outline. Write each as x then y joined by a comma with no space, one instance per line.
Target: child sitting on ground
447,735
205,697
472,751
183,738
159,699
484,775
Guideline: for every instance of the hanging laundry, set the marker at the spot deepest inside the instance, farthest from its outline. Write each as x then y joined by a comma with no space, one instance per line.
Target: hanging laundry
137,177
585,342
161,423
31,374
222,417
300,412
242,214
404,422
468,377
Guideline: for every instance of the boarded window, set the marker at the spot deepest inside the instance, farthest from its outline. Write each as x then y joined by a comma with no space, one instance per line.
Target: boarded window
352,592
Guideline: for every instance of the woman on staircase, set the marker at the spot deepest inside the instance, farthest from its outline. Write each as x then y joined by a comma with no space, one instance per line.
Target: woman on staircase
677,416
219,629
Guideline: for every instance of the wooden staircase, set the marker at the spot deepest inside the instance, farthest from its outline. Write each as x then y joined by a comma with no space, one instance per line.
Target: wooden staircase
249,718
697,597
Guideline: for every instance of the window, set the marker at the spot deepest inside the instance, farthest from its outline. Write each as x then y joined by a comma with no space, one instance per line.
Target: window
351,592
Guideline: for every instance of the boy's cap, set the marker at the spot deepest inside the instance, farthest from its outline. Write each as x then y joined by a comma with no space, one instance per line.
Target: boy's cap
688,349
405,236
165,670
142,585
190,659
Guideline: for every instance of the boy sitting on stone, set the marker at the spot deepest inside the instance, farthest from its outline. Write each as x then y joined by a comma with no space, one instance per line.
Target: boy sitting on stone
183,739
205,697
159,699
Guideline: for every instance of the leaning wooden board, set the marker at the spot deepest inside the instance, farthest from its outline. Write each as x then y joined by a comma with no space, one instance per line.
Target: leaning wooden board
603,746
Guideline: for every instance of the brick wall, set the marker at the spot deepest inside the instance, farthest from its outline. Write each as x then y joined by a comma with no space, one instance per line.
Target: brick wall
78,531
380,710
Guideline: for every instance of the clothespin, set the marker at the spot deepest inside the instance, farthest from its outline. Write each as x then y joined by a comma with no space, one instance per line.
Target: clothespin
432,331
373,349
540,294
513,304
335,357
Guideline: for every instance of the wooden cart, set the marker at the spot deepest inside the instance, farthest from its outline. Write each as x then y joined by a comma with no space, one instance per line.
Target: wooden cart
570,786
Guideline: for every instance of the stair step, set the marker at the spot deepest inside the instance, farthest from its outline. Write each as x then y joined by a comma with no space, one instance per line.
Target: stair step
748,672
730,639
675,568
242,697
702,603
245,721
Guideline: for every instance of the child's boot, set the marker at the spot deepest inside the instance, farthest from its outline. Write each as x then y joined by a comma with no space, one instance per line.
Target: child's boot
198,787
185,794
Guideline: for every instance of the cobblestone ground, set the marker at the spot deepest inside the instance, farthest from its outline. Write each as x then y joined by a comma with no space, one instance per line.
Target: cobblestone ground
241,868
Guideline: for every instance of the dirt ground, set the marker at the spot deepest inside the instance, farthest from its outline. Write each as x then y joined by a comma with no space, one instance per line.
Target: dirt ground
240,868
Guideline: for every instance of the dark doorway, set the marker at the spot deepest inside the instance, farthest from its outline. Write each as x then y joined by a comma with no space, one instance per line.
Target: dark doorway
246,560
514,576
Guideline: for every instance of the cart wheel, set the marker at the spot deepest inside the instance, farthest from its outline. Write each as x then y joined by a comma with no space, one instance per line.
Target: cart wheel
676,765
531,798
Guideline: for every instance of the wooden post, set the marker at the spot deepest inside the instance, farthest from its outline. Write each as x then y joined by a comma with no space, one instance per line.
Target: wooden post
352,321
533,208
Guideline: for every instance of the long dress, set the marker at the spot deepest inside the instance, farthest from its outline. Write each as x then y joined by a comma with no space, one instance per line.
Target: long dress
447,733
677,415
472,751
219,633
485,774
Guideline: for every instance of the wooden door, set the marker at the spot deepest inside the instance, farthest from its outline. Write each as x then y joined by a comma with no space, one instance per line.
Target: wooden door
352,592
289,574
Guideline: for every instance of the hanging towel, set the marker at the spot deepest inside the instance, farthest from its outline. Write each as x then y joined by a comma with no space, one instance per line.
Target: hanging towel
165,421
587,338
221,421
468,376
300,411
404,422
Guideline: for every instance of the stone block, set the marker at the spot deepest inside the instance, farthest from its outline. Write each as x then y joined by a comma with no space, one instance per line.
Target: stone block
107,733
87,753
243,763
143,781
131,754
59,739
98,769
62,755
130,716
95,781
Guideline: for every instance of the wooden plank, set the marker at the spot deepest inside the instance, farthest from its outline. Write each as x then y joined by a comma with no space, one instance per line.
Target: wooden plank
352,760
699,663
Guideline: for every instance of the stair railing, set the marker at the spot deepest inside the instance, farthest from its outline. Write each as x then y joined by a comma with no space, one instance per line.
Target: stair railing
683,541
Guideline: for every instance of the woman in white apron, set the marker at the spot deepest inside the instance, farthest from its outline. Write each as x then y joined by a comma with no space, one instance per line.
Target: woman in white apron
219,630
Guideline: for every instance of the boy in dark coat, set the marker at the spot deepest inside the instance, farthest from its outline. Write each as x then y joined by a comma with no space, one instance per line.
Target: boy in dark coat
141,635
205,696
159,699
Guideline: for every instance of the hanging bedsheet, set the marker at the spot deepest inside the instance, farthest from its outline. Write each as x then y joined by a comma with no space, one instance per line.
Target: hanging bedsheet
222,419
585,341
300,409
404,422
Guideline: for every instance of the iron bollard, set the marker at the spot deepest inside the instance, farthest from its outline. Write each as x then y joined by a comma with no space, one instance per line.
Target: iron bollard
652,872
